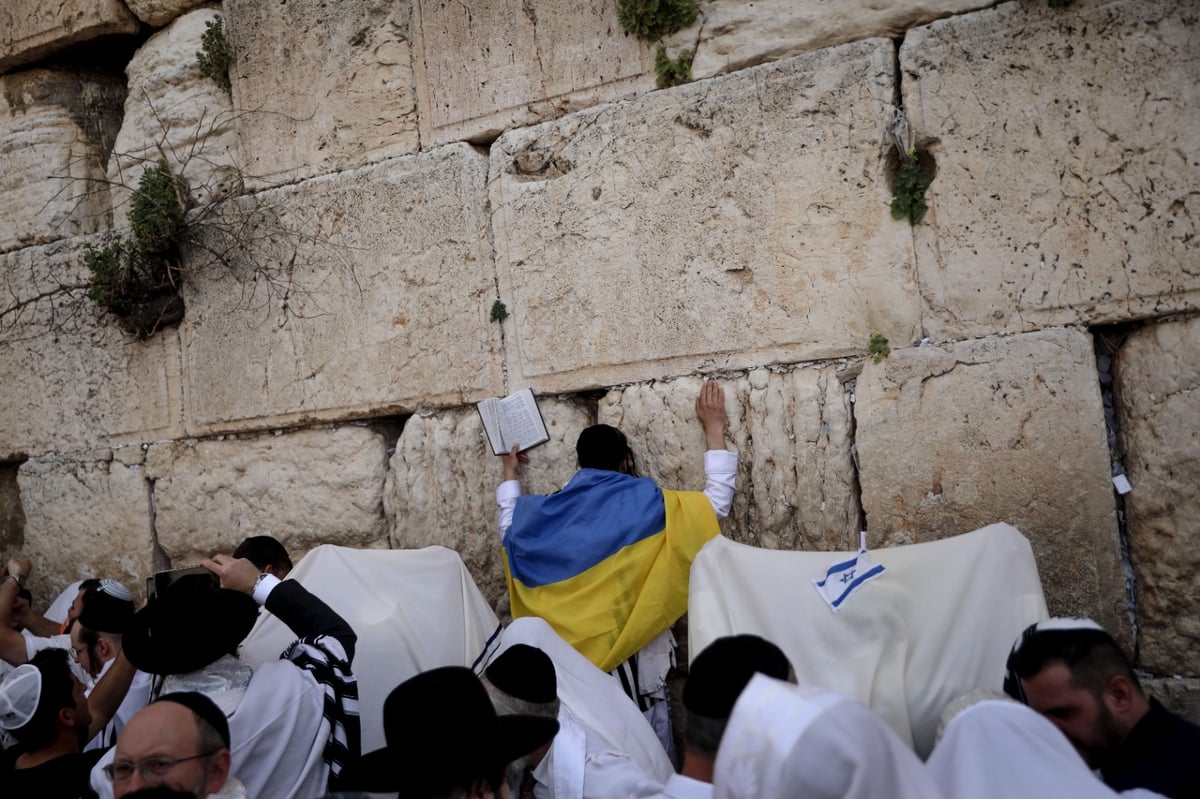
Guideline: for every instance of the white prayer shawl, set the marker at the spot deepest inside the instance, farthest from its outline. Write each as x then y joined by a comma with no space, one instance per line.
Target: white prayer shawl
1002,750
412,610
786,742
605,742
937,624
62,603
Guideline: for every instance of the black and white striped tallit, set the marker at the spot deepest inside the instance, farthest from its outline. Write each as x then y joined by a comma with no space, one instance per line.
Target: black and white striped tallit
325,658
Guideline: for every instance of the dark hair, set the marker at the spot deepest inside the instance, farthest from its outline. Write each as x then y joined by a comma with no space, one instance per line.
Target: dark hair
603,446
89,585
264,551
1092,657
58,692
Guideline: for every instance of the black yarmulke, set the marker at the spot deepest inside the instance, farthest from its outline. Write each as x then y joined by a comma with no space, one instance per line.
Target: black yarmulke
203,707
107,609
720,673
524,672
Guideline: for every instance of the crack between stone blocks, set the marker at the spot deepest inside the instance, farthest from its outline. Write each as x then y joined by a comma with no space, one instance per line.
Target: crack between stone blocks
158,556
850,387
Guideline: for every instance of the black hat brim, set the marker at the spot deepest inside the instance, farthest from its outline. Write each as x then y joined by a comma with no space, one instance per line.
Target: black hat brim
178,635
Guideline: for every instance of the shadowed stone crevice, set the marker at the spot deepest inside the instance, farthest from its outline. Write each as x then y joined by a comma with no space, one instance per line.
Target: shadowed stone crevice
12,514
158,555
849,385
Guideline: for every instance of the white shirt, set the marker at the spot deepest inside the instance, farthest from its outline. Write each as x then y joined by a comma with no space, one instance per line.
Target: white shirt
720,475
582,765
681,787
36,643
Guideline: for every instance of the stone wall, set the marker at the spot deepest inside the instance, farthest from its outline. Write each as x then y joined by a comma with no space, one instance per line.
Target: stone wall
402,208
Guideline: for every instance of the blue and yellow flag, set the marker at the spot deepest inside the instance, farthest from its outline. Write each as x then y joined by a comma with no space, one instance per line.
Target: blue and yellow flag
605,561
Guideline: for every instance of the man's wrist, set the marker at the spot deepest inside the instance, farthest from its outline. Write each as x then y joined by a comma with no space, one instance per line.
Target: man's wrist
19,579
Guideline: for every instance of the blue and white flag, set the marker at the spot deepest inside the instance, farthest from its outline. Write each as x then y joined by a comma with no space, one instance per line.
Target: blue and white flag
845,577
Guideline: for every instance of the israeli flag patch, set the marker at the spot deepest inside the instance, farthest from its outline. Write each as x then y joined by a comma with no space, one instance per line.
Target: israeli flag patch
845,577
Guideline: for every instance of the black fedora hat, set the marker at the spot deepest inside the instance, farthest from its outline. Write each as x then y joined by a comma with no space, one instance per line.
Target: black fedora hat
441,732
188,626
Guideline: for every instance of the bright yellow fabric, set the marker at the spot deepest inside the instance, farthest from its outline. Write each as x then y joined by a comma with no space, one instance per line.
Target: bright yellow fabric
615,608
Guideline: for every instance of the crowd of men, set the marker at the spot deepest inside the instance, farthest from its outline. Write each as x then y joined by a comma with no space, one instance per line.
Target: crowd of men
117,701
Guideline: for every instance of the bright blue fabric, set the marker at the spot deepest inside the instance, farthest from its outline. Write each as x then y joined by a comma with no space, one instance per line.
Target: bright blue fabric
598,513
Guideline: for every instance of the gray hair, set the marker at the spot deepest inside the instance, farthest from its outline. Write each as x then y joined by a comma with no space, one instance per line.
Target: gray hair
508,705
703,733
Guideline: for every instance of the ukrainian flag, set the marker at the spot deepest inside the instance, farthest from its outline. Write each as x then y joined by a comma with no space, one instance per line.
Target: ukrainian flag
605,561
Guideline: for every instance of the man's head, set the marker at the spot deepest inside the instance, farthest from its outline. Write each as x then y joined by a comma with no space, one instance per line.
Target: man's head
266,553
96,633
716,679
1074,673
42,704
180,741
604,447
522,681
85,587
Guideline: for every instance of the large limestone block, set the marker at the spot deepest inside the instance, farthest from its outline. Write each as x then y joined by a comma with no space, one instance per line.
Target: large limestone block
483,68
321,86
732,34
1180,696
173,111
441,485
33,29
724,224
795,486
952,438
56,130
159,12
1158,400
72,379
1067,155
372,296
310,487
87,516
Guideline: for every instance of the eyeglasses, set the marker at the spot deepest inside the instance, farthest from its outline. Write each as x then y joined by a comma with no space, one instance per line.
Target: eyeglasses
150,768
75,650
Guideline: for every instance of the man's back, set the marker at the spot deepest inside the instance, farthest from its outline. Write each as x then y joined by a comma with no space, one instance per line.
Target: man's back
1157,756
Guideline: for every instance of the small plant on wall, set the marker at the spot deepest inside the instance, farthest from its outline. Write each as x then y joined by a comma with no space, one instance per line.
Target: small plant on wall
669,71
216,54
653,19
913,174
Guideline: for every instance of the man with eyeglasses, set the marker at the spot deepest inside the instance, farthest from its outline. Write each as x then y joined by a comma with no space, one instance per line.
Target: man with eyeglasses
180,741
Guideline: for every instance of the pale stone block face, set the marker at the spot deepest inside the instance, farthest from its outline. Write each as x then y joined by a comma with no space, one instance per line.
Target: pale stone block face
375,299
732,34
952,438
1157,387
159,12
441,485
1180,696
721,225
483,68
56,130
33,29
71,378
88,516
322,87
310,487
795,486
172,109
1066,188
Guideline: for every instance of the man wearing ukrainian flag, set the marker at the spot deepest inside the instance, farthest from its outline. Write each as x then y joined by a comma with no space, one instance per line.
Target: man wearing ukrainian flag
605,560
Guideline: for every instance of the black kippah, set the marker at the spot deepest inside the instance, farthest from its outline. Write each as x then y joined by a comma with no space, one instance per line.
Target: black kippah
203,707
720,673
107,609
524,672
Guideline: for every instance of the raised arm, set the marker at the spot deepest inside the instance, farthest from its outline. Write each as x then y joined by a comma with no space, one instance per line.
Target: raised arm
12,643
710,410
509,490
720,464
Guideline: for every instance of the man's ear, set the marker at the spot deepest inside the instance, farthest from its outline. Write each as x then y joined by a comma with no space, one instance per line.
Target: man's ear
1120,692
218,772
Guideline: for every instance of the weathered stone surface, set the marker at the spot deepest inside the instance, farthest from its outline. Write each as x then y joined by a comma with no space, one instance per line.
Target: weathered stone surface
1157,387
725,224
484,68
12,516
321,86
1180,696
1066,187
86,517
795,480
441,485
70,378
372,296
56,130
310,487
952,438
732,34
159,12
173,110
33,29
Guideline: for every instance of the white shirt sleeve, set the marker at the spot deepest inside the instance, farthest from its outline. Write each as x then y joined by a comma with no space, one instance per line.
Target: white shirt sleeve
720,476
263,588
506,503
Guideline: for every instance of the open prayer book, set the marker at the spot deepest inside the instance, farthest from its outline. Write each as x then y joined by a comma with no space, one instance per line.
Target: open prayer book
513,420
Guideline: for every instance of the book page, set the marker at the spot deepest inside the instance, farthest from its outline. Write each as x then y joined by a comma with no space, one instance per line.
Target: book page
488,412
521,422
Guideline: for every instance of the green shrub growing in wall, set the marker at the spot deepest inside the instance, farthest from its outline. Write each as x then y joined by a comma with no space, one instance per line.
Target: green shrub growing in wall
137,278
878,347
216,53
670,72
499,311
908,188
653,19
